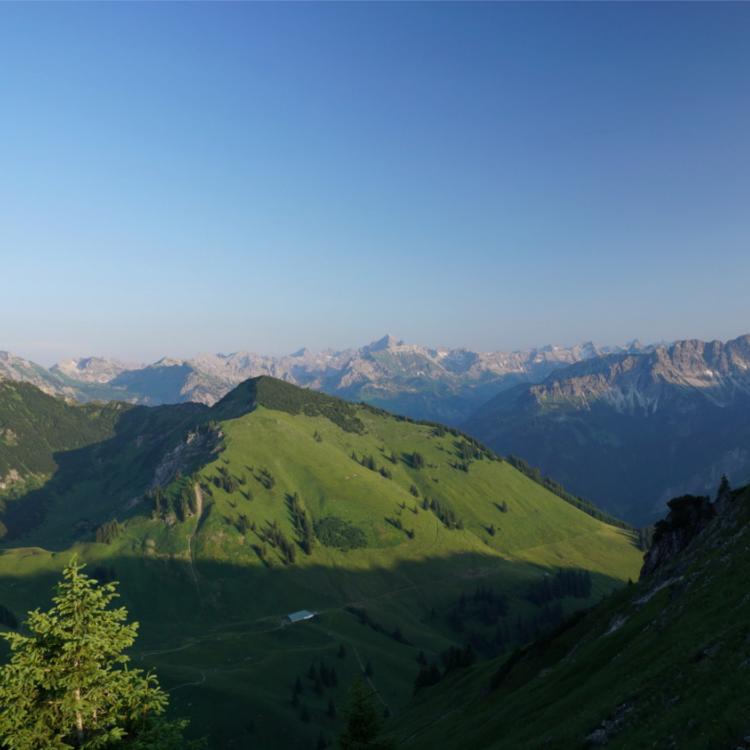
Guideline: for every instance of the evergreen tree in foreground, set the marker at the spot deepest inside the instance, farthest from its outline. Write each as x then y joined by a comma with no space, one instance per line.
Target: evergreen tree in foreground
68,684
363,722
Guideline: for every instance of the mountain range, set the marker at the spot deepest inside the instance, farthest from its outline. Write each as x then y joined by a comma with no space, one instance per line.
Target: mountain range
630,430
625,427
444,385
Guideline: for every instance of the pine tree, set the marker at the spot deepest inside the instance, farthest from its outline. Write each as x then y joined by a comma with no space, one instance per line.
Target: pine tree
363,722
68,683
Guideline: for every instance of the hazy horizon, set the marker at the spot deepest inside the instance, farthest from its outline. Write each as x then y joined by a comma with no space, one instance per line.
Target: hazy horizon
187,178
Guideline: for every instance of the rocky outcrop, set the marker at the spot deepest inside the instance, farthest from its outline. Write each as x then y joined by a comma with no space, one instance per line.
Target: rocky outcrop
688,516
197,446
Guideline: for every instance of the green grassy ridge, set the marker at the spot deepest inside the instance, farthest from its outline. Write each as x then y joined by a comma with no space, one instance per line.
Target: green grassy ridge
211,609
281,396
669,656
110,433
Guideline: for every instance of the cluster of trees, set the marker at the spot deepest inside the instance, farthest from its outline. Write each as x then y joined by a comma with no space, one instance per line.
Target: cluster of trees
469,450
243,524
274,536
226,481
364,619
452,658
446,515
281,396
333,531
368,461
484,606
176,505
508,632
547,618
398,524
569,582
416,460
264,477
321,678
108,531
458,658
302,523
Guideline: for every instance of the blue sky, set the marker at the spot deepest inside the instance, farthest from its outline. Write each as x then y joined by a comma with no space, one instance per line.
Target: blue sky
183,178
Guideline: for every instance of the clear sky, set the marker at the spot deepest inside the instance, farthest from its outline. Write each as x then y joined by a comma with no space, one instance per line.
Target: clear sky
177,178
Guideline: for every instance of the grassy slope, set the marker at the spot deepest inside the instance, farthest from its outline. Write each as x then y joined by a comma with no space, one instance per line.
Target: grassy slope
34,425
210,610
678,663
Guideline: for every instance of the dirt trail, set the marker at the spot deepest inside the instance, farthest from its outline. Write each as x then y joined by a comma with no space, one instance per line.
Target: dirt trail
367,678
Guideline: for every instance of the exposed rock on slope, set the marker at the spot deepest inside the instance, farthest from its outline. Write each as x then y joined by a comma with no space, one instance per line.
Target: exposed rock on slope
688,516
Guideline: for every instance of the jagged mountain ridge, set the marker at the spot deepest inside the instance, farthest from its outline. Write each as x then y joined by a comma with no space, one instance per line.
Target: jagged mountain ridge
645,381
442,384
632,430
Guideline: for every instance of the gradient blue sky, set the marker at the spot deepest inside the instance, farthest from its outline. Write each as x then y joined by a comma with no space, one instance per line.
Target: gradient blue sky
183,178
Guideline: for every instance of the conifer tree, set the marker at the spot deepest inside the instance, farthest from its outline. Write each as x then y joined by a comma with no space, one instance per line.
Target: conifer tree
68,683
363,722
